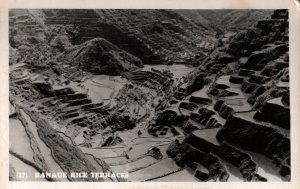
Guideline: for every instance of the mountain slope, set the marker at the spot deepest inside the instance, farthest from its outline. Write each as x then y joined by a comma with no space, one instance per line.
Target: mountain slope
155,36
99,56
222,20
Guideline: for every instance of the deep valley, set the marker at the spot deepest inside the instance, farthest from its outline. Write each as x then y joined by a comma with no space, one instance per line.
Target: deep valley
161,95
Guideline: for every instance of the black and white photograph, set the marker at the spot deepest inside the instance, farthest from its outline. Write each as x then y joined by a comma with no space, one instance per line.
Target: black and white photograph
149,95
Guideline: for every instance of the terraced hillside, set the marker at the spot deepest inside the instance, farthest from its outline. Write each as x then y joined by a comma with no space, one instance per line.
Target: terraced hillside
234,20
149,95
243,99
155,36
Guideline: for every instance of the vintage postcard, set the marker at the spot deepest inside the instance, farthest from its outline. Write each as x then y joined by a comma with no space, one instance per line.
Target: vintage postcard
181,95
